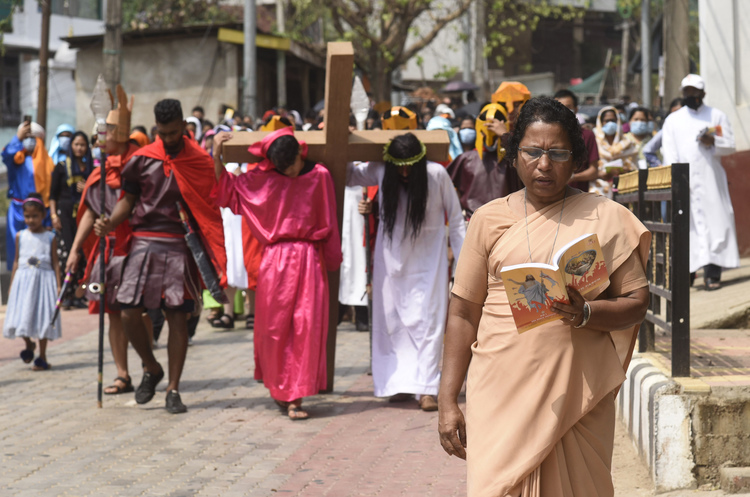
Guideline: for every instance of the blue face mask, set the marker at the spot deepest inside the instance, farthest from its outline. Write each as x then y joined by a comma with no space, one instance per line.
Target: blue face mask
96,153
467,136
651,126
29,143
609,128
64,142
639,127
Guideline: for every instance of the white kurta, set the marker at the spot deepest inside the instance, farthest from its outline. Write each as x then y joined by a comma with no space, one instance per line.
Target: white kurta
713,237
236,271
353,279
410,285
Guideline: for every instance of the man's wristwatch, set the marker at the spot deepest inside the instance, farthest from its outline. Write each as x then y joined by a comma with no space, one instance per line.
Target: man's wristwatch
586,315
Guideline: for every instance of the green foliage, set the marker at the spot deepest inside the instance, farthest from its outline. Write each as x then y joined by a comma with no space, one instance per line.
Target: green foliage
6,23
149,14
509,19
447,72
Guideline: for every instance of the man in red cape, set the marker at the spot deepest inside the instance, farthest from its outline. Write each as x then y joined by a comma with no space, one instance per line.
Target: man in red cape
119,150
159,270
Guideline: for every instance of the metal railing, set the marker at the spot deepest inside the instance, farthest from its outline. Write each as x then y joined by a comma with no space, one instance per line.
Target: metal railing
660,197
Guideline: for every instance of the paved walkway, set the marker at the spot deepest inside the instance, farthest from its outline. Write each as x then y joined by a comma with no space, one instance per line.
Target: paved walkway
233,441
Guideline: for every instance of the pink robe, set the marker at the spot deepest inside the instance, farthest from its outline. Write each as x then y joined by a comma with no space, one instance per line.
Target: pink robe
295,221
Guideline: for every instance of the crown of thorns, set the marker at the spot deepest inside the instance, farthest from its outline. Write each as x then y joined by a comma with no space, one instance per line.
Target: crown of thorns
409,161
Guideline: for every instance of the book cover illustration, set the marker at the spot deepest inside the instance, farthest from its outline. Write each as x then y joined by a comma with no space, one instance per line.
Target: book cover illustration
532,288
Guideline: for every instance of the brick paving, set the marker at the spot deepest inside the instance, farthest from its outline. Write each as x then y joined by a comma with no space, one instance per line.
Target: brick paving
234,441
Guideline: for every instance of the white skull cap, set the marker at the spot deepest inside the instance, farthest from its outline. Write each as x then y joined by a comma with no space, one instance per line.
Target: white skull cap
693,80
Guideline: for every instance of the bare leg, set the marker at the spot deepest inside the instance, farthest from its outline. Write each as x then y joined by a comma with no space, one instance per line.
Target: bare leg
229,306
135,330
149,325
118,342
43,349
176,346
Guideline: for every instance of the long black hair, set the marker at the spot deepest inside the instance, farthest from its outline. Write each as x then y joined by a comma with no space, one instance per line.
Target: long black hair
403,147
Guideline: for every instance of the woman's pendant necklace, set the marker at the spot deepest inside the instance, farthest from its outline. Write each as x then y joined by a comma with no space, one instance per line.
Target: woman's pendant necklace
526,218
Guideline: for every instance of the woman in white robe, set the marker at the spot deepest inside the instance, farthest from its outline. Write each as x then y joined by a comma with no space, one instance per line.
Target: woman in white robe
410,284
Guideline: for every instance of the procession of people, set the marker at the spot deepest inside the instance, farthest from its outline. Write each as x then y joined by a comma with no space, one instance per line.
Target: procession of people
421,243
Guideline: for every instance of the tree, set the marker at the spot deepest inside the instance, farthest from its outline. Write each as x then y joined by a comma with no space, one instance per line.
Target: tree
148,14
380,30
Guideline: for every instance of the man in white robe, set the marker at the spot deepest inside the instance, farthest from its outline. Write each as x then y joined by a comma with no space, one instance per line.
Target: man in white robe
700,135
353,272
410,284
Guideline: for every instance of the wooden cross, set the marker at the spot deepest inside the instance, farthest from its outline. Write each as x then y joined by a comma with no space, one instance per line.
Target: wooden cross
334,147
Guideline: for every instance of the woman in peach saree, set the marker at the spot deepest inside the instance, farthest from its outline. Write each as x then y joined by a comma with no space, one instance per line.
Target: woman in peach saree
540,409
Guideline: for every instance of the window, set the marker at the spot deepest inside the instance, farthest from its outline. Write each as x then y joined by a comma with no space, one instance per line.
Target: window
10,96
87,9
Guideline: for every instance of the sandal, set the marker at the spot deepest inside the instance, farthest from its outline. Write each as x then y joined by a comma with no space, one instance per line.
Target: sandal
27,354
250,321
115,389
427,403
712,284
225,322
40,365
296,413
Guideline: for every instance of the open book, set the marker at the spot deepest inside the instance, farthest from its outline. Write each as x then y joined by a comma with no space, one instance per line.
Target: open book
533,287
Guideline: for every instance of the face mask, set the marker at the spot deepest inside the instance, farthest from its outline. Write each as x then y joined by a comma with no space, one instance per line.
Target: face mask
693,102
651,126
29,143
610,128
96,153
64,142
623,118
467,136
639,127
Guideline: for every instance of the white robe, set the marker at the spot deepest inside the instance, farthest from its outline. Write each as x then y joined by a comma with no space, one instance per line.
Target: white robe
236,271
353,279
713,237
410,285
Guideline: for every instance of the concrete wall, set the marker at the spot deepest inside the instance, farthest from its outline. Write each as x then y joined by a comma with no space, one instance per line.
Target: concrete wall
725,48
165,68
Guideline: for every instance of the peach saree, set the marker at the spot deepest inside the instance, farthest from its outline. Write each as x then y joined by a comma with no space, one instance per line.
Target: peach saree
540,405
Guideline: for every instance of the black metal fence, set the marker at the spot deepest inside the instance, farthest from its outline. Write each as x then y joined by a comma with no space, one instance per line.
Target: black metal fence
660,197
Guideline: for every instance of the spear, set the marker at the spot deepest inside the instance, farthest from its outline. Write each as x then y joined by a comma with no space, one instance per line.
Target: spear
58,303
101,104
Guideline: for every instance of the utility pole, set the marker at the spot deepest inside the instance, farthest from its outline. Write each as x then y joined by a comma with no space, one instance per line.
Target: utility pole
625,57
466,22
41,112
112,50
249,92
281,56
676,41
646,53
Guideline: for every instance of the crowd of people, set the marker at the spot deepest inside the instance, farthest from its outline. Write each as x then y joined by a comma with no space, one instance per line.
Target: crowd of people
521,172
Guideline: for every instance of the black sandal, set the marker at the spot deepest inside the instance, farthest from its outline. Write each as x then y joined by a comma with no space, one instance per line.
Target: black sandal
712,284
250,321
115,389
225,322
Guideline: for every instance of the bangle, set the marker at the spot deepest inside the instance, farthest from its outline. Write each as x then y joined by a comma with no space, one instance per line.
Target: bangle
586,315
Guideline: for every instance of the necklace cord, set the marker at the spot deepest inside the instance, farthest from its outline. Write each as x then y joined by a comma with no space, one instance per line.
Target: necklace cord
526,218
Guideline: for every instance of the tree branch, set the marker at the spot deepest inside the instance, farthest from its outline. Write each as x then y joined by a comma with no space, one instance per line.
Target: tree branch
439,24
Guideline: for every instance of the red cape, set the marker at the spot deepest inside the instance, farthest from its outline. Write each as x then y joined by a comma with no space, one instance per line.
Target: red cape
194,171
113,168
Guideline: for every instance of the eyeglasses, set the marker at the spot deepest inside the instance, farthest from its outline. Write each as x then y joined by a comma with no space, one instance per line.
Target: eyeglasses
554,154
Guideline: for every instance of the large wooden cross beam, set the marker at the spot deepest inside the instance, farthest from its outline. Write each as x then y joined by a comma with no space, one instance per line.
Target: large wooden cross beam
334,147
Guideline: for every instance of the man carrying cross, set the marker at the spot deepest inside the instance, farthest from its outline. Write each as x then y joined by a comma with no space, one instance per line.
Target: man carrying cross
300,245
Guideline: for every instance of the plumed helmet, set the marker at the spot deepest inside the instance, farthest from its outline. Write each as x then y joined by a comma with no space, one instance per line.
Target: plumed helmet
510,92
276,122
486,138
120,117
399,118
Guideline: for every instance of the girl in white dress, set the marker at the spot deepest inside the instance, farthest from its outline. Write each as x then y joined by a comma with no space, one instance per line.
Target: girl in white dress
35,282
